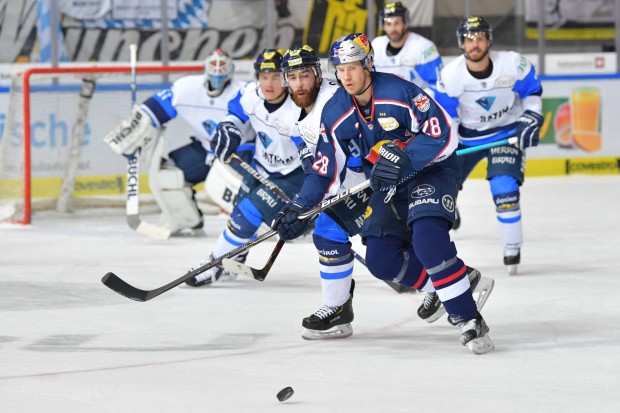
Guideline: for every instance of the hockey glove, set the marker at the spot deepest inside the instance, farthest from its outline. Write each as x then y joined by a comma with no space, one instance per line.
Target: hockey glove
226,139
288,224
528,128
388,169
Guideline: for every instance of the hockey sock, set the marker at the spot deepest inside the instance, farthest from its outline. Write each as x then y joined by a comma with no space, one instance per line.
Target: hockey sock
432,245
336,266
505,190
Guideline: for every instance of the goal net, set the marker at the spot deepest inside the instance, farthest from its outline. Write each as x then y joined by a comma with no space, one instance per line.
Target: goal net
52,154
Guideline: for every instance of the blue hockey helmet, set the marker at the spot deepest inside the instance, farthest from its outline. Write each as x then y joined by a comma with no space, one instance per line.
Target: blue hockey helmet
471,25
300,58
351,48
394,9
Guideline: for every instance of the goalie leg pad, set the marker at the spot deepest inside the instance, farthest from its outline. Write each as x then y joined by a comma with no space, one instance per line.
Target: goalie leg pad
175,198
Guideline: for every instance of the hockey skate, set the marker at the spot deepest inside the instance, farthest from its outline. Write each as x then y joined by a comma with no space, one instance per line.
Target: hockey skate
432,309
330,322
474,334
511,261
215,273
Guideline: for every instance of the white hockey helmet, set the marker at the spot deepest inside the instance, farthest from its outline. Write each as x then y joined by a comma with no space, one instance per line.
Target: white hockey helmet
351,48
219,69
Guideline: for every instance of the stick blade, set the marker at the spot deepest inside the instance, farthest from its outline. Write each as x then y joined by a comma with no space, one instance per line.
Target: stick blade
242,269
118,285
145,228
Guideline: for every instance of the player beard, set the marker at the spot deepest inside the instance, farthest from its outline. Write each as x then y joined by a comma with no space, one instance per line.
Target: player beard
397,36
476,59
307,99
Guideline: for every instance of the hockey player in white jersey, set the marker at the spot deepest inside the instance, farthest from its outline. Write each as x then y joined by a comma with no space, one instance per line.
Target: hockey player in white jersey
494,95
201,101
404,53
301,74
264,112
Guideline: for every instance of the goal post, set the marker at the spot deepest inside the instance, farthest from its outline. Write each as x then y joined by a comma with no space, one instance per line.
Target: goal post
52,153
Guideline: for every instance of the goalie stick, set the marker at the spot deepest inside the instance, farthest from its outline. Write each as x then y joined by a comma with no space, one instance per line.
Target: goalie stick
132,203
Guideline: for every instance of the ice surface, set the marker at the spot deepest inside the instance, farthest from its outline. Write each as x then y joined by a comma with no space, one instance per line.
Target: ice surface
68,344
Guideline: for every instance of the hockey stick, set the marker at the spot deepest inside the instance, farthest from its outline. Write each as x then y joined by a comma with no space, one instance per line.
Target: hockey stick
121,287
132,203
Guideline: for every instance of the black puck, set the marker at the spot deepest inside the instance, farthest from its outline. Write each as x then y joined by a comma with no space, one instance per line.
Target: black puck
285,394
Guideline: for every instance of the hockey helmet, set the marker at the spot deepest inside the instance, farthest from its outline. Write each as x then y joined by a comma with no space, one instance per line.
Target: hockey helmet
394,9
300,58
351,48
269,60
219,69
471,25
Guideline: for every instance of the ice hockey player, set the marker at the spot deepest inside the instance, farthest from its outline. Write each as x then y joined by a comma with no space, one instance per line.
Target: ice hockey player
301,74
263,110
494,95
406,229
201,101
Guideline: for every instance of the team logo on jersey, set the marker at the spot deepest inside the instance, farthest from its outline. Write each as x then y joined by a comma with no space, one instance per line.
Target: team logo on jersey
370,126
448,203
422,191
264,139
422,103
388,124
486,102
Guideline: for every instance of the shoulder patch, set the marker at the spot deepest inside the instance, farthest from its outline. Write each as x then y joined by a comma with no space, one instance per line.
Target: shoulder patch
422,103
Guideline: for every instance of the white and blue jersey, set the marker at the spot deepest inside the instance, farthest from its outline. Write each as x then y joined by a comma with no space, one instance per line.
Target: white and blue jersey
400,111
276,153
187,98
418,61
488,109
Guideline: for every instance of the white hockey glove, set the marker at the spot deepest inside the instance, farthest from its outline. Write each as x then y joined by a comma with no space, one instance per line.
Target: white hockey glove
528,128
225,140
135,132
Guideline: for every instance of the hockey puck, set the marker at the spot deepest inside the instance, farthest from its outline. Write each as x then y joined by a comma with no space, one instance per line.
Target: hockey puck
285,394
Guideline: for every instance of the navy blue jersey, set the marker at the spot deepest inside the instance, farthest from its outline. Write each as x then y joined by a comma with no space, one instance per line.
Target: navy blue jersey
400,110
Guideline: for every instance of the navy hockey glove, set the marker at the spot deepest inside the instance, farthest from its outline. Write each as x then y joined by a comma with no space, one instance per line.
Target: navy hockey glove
288,224
226,139
388,169
528,129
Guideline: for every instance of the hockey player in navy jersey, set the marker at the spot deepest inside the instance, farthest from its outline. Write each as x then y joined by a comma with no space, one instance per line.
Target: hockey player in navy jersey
494,95
301,74
407,142
201,101
262,112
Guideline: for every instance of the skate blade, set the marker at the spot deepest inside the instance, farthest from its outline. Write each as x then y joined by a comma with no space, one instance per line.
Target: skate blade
481,345
512,269
438,314
341,331
483,289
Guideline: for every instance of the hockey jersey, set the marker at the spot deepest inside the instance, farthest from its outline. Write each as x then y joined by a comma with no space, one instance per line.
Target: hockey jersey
418,61
488,109
276,153
188,99
400,111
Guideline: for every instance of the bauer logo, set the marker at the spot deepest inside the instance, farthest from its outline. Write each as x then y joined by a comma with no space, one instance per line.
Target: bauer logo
422,191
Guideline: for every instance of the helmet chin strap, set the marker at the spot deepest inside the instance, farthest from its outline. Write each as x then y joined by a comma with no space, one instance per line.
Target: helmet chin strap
367,87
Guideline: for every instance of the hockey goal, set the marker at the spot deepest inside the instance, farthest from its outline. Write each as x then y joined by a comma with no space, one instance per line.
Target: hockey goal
52,153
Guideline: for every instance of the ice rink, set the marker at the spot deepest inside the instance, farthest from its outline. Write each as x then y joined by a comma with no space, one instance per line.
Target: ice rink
69,344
